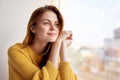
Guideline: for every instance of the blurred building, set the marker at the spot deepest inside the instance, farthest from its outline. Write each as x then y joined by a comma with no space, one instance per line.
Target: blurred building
112,59
101,63
117,33
112,45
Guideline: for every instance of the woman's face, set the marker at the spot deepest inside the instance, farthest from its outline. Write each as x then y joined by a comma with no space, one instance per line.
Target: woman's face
47,27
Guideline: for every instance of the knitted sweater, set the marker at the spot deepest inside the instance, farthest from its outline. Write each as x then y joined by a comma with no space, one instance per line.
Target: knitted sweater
23,65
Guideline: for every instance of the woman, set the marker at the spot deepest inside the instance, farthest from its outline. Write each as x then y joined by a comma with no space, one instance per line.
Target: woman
43,54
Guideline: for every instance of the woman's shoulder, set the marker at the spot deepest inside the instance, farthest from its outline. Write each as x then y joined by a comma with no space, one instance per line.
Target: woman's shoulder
17,48
16,45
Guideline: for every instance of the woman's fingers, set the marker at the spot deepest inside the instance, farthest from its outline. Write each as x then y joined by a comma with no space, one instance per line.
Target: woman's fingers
68,39
65,35
69,34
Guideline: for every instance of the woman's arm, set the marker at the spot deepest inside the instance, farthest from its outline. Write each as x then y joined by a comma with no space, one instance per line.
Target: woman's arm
59,48
65,70
63,38
20,64
54,54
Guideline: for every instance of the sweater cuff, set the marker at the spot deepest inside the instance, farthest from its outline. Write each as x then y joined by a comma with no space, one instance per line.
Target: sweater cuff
51,70
65,67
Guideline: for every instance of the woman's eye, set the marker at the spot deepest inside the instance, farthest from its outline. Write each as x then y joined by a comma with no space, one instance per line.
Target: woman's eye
57,25
46,23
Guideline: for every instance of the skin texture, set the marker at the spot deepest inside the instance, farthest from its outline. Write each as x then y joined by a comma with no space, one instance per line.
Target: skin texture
46,30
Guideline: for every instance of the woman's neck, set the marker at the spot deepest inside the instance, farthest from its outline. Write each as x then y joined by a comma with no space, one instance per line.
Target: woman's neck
38,47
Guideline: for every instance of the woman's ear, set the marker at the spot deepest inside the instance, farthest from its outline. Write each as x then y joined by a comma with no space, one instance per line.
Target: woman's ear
32,29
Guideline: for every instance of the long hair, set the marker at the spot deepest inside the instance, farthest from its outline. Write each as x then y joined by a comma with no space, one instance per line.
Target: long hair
31,36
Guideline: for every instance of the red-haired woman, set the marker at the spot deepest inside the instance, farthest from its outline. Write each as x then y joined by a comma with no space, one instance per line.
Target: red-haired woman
42,55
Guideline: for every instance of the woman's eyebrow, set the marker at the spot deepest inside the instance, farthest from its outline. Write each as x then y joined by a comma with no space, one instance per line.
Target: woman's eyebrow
45,20
49,20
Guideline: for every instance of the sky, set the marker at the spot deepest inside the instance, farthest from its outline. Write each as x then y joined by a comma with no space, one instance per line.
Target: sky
91,21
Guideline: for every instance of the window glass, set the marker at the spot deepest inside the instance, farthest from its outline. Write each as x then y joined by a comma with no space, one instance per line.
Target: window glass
95,52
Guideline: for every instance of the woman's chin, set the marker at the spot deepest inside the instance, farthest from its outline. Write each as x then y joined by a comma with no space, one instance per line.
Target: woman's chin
52,40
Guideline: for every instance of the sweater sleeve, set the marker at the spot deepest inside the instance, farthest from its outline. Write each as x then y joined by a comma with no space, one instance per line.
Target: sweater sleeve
27,69
65,72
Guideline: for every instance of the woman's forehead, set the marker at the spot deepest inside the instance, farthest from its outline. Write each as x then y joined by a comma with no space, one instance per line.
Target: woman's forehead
49,16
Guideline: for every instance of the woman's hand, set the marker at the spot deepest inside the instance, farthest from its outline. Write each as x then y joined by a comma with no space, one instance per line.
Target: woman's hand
66,37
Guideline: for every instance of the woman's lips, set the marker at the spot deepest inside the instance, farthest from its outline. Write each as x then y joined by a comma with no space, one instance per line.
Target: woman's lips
52,34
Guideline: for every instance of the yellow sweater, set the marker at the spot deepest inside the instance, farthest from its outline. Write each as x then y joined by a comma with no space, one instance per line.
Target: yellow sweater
23,65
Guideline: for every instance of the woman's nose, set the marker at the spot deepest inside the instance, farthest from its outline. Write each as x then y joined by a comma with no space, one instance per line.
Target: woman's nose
52,27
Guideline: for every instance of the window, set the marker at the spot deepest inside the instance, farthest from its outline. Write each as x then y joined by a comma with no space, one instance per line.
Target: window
95,47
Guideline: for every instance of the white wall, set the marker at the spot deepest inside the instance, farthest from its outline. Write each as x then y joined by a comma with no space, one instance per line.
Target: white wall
14,15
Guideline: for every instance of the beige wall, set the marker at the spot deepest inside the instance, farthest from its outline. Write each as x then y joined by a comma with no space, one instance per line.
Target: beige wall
14,15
